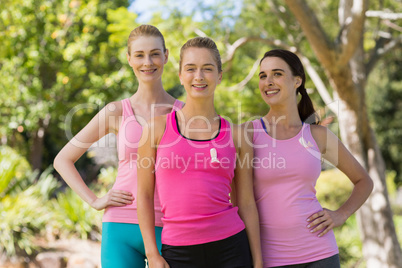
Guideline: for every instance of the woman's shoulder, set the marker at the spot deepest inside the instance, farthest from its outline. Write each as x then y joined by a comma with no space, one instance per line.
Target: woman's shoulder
319,131
322,136
114,108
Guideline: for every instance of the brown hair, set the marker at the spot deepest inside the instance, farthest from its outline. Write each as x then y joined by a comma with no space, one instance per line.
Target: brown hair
202,42
144,30
305,106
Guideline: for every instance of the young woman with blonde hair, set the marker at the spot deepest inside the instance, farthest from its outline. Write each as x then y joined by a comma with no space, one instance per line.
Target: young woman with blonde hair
122,244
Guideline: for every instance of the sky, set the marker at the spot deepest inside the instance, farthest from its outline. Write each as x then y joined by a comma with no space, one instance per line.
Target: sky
145,8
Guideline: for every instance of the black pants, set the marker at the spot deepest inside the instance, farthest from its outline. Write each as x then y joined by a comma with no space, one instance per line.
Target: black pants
331,262
231,252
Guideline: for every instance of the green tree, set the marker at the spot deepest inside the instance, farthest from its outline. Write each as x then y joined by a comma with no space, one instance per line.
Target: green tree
384,100
56,55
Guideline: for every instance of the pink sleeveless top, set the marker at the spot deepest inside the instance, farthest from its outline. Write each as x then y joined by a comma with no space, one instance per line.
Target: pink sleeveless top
193,189
127,145
285,175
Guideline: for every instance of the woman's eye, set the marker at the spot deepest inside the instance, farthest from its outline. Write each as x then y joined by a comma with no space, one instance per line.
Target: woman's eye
262,76
138,56
155,54
277,74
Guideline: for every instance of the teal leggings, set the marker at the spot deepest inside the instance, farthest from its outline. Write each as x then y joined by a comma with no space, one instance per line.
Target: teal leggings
122,245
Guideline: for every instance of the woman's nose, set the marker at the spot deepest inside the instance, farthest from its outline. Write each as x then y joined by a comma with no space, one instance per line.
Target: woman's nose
199,76
148,60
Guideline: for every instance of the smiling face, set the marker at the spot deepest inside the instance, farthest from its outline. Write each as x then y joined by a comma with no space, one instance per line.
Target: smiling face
277,83
147,58
199,72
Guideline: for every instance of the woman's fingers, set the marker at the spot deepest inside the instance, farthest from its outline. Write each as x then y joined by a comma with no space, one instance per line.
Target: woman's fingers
315,216
326,230
120,198
123,194
320,221
316,219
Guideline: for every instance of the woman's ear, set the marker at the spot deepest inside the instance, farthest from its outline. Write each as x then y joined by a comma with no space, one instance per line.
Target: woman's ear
166,56
298,81
181,83
220,77
128,58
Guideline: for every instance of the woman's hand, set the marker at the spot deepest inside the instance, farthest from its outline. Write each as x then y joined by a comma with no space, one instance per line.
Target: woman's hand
113,198
157,262
326,121
325,220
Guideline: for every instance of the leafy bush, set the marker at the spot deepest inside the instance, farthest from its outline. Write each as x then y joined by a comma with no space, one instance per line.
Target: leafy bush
29,210
349,244
74,217
14,170
333,188
71,216
23,213
22,217
393,192
106,178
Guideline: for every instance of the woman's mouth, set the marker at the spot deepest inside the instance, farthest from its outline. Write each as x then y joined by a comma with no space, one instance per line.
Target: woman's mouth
199,87
148,71
271,92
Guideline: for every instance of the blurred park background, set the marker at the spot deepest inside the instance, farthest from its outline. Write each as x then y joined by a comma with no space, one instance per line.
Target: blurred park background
62,60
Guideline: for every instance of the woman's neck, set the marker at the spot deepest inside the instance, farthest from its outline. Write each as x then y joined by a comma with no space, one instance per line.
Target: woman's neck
151,93
199,108
198,120
286,116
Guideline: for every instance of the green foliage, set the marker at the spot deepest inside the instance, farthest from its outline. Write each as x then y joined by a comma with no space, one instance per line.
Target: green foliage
122,22
333,188
349,244
14,170
29,210
392,187
106,178
73,217
384,98
55,55
23,213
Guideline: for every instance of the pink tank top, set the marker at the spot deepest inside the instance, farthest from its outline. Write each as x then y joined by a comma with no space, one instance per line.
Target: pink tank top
127,145
285,174
194,186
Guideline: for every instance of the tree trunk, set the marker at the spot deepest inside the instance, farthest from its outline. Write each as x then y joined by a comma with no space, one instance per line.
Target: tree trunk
36,153
380,244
